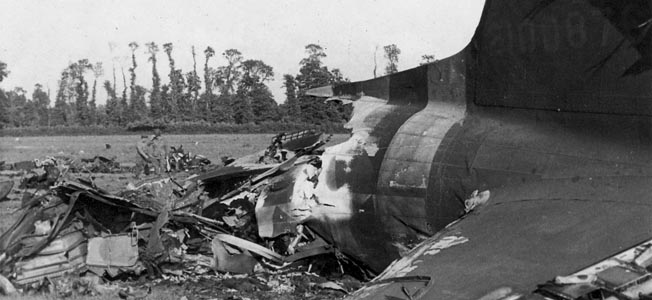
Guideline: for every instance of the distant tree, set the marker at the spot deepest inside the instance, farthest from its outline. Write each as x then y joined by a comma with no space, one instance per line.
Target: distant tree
263,106
291,105
4,100
225,79
229,75
208,82
71,104
175,87
115,88
168,47
312,74
391,54
337,77
187,104
315,54
29,113
109,114
343,111
155,105
3,71
137,107
426,59
26,111
19,111
123,105
78,70
254,74
132,70
98,71
165,102
194,85
222,110
207,98
190,98
41,102
138,104
182,103
5,119
60,113
242,111
255,101
111,107
19,98
102,117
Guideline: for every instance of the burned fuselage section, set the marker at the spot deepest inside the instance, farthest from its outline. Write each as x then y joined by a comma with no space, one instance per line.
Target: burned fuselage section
378,181
548,111
542,91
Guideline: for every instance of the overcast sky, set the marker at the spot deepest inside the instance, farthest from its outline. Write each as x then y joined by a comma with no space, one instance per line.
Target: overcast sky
40,38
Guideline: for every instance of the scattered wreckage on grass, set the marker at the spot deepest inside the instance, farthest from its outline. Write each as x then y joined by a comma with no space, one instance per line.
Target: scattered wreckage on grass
236,218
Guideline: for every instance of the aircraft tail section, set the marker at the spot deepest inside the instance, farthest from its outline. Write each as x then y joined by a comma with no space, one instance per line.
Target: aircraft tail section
586,56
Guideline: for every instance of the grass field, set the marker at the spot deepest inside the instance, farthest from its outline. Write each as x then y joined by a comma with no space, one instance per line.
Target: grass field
123,147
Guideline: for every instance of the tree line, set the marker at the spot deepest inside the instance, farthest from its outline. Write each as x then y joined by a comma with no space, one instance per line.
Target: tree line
234,93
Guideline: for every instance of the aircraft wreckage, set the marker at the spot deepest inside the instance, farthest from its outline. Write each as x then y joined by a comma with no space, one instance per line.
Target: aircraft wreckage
545,119
519,168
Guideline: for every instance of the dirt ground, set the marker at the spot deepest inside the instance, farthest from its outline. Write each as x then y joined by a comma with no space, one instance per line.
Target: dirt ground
297,284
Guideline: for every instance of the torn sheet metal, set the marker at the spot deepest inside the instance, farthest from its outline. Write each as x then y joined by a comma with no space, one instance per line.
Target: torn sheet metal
322,92
113,251
247,245
5,188
295,141
505,241
64,242
287,201
231,171
6,287
238,263
51,265
620,275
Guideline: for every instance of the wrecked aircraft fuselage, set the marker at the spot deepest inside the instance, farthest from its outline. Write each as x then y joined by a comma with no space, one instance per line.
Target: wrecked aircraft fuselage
548,108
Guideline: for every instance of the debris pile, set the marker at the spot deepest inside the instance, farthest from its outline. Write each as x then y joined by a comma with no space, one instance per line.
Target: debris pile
179,160
96,164
243,218
625,275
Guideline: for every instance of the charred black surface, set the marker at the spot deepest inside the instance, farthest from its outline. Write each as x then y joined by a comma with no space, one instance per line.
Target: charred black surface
556,101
